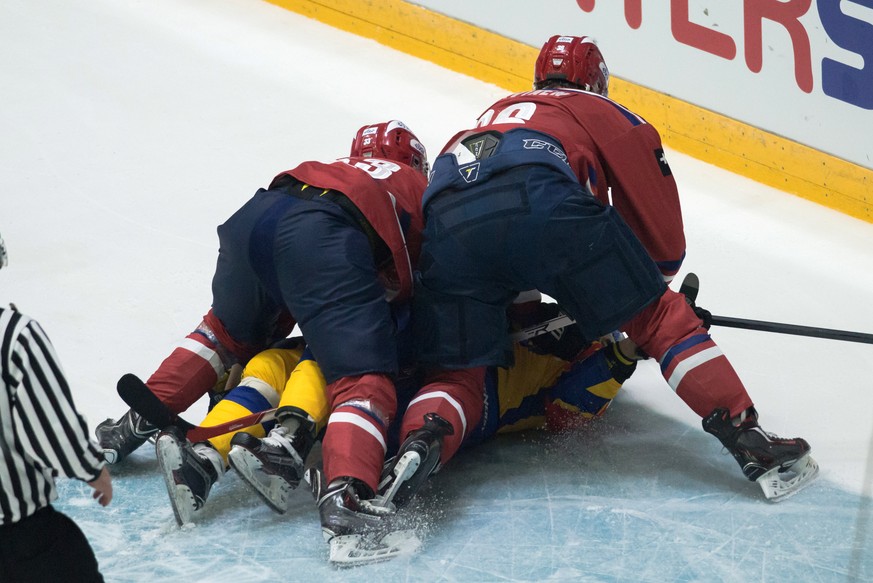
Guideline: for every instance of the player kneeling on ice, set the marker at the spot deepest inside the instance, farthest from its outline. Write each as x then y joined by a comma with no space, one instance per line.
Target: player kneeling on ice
564,382
333,248
328,246
563,190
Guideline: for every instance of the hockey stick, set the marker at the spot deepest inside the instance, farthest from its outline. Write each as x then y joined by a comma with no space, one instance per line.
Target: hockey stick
140,398
794,329
691,286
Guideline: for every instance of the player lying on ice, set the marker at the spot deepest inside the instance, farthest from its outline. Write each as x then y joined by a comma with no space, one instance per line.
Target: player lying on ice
556,382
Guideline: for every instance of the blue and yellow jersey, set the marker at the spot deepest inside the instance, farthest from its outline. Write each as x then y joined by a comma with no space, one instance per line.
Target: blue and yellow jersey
543,391
277,377
537,391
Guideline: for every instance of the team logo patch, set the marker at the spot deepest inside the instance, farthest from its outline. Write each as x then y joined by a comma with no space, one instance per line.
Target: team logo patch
469,172
477,147
662,162
533,144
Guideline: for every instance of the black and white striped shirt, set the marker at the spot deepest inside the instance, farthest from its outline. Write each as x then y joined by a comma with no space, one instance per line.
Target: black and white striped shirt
41,433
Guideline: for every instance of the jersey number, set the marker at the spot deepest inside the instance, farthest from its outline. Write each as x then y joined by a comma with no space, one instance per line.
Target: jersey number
517,113
376,168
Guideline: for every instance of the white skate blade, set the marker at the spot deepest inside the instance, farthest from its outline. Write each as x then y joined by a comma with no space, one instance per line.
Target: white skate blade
181,498
273,490
403,470
778,486
353,549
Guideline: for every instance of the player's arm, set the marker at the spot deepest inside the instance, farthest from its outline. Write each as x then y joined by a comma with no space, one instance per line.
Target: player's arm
645,194
588,387
51,430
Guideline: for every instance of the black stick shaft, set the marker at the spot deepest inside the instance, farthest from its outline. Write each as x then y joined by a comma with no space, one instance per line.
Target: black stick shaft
792,329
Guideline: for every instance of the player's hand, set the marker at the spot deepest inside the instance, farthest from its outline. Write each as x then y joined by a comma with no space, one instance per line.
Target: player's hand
565,343
704,314
102,487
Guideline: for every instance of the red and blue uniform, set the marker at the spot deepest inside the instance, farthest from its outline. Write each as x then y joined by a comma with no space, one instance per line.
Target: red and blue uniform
568,192
614,153
330,247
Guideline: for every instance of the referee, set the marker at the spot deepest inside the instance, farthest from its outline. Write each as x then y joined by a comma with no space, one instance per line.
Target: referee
41,436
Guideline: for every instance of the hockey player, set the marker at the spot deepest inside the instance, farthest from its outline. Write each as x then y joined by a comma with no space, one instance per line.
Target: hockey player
556,382
331,247
287,378
563,190
363,210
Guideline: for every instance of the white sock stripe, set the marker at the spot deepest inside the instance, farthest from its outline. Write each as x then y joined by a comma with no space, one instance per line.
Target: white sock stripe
264,388
450,400
691,362
205,353
362,422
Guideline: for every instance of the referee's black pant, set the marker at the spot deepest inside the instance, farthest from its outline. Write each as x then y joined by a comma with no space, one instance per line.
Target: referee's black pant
46,546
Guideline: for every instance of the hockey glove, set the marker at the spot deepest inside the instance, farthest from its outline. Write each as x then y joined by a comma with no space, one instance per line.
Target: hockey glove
619,365
565,343
704,314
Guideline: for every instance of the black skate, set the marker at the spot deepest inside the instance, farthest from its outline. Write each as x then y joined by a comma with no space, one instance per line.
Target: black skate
417,458
118,439
273,466
189,473
780,466
358,529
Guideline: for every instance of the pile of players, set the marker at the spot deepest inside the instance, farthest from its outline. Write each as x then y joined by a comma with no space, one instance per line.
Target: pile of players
406,291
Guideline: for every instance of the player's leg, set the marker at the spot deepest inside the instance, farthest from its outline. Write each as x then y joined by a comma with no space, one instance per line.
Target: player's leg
274,465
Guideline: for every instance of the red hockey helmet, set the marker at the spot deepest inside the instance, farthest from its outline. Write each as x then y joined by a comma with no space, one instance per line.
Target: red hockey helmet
572,59
391,140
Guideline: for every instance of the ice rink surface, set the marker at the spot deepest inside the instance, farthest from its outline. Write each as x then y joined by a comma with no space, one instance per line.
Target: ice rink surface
129,130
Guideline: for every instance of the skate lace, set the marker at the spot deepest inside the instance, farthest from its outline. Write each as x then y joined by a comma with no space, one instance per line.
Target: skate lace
278,438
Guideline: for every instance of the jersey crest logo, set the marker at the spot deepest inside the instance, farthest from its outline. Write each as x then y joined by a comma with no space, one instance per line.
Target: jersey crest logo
469,172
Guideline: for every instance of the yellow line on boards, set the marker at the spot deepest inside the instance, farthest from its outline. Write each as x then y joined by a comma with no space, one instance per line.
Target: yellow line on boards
698,132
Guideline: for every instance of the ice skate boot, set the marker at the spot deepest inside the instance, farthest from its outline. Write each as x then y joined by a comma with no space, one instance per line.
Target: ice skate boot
357,529
189,472
273,466
118,439
780,466
417,458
